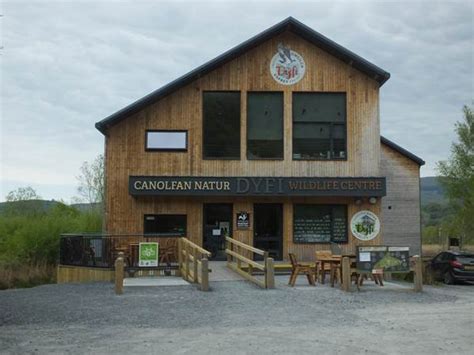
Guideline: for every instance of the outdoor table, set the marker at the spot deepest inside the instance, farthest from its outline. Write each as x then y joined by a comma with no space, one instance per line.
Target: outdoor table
334,261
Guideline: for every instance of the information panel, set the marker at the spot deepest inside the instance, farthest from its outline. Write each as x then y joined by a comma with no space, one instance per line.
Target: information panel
390,259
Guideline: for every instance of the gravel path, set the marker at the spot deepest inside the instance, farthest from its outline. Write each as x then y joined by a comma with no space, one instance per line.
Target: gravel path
235,317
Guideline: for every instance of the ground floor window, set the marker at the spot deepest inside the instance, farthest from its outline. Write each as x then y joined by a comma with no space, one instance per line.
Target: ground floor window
165,224
319,223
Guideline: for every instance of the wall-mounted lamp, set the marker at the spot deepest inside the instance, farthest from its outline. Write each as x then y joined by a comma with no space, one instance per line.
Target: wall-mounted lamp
373,200
358,201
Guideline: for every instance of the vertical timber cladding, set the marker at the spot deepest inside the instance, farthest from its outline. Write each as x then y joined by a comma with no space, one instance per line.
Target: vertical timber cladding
183,110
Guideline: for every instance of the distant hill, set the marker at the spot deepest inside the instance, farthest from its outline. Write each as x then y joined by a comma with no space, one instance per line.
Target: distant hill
431,191
36,205
43,205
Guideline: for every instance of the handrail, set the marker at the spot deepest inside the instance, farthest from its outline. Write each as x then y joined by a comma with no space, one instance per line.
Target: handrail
267,266
196,247
190,253
246,246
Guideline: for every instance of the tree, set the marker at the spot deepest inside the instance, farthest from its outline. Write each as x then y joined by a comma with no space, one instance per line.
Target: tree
91,181
22,194
457,175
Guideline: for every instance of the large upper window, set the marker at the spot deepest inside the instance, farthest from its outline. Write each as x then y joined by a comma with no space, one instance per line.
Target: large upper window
166,140
221,125
319,126
319,223
265,125
172,224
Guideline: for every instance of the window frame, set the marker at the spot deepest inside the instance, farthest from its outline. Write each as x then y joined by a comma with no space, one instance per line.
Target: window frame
170,235
203,156
282,123
331,205
330,123
178,150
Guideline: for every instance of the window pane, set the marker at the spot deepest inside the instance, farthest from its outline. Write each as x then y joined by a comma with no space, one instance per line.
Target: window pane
319,223
319,107
166,140
165,224
311,141
319,128
265,125
221,125
312,224
339,224
339,141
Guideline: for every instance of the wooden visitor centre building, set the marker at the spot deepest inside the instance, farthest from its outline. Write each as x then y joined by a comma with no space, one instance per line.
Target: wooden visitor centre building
275,143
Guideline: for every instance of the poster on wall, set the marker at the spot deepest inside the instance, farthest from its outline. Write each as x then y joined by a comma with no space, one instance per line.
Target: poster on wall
243,220
365,225
287,67
148,254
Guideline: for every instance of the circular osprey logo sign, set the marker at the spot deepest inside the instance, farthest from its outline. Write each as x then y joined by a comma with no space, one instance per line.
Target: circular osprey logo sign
287,67
365,225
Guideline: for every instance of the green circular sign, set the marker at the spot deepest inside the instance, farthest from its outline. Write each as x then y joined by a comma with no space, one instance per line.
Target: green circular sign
365,225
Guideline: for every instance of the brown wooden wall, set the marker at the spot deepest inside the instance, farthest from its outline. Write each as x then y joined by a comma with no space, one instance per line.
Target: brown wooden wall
401,206
125,153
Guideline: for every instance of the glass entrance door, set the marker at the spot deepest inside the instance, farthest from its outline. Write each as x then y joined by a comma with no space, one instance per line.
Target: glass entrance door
217,225
268,228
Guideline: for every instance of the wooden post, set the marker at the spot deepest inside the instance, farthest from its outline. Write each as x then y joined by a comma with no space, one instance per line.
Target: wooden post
346,274
269,273
238,250
180,256
195,264
186,261
119,264
229,246
204,275
418,274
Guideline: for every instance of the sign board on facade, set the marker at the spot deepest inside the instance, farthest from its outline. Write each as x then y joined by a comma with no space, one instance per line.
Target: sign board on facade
287,67
365,225
148,254
390,259
243,220
256,186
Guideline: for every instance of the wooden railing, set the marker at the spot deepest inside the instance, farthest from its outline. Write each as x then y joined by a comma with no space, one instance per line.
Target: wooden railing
193,263
245,267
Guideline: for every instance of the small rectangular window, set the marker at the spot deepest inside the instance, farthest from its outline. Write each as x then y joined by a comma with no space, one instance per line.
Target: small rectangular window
165,224
319,126
167,140
221,125
319,223
265,125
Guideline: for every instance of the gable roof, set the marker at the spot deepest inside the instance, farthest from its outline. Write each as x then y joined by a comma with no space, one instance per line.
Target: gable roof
290,24
402,151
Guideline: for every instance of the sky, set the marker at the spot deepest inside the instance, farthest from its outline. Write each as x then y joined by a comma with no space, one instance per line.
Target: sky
68,64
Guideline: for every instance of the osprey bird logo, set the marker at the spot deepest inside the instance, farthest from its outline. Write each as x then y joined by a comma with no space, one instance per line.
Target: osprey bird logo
285,54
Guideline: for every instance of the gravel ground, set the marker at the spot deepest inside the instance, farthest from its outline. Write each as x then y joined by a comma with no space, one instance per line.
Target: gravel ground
236,317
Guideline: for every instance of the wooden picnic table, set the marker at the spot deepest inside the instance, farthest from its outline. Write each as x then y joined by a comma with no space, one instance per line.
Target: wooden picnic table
334,261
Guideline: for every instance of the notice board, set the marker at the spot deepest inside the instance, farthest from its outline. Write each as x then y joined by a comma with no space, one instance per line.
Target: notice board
390,259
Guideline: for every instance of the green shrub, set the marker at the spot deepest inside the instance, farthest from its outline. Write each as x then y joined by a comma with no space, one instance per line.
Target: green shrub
31,239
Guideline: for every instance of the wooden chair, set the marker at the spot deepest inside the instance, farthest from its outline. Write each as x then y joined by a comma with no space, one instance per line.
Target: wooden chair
300,269
168,251
321,274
